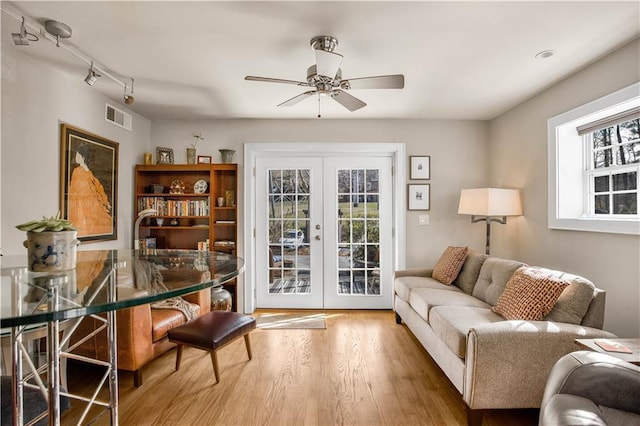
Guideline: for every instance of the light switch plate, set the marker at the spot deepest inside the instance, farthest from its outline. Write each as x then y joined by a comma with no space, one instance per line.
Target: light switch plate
423,219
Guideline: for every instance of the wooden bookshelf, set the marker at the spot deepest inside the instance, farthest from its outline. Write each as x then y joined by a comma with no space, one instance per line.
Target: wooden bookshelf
189,219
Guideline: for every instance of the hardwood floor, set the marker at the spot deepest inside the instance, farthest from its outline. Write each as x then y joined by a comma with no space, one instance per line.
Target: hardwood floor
362,370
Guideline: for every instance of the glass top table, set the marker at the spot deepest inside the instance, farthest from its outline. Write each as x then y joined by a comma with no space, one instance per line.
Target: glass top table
141,276
102,282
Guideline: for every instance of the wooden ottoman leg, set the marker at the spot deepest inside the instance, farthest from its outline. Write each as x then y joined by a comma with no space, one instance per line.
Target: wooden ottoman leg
214,361
178,357
248,344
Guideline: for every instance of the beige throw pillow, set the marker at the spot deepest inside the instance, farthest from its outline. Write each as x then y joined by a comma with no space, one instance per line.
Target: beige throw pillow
448,266
530,295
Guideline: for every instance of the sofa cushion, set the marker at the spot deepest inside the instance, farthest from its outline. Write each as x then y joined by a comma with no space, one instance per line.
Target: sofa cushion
404,285
574,301
452,323
493,278
530,294
423,299
448,266
470,271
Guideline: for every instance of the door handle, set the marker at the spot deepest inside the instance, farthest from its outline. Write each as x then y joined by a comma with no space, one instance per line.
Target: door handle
318,237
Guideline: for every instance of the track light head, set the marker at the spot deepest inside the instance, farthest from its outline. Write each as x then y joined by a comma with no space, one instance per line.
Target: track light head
23,37
92,77
18,40
128,99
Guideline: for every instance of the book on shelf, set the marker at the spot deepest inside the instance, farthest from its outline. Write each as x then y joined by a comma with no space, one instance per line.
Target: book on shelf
223,243
226,221
612,346
174,207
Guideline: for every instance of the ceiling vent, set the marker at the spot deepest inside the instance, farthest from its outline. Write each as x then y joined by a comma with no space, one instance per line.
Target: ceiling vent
118,117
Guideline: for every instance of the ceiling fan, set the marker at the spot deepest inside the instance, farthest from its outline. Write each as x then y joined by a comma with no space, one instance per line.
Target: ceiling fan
326,78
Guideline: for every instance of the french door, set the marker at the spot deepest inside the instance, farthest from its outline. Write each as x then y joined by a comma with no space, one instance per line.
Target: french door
323,232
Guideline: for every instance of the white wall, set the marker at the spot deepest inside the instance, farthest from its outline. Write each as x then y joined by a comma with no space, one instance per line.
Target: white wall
458,151
36,98
518,145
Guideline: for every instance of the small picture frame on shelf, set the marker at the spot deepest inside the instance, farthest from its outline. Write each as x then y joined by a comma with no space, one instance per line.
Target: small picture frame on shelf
204,159
420,167
419,196
164,155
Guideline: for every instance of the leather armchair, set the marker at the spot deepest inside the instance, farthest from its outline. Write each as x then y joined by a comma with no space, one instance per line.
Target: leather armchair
141,332
591,388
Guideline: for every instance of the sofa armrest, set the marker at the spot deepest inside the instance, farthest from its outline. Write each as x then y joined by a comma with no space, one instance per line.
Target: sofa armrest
508,362
201,298
421,272
598,377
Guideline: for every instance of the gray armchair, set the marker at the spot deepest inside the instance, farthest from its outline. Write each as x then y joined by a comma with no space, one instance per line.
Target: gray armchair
591,388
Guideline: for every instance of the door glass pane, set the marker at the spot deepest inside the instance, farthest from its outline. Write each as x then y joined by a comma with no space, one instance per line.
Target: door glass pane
289,227
373,282
358,232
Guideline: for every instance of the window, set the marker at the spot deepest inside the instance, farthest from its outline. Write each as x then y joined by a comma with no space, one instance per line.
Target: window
613,169
594,165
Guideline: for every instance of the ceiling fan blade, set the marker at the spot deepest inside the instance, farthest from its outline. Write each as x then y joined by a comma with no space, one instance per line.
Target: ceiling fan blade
395,81
275,80
346,100
296,99
327,63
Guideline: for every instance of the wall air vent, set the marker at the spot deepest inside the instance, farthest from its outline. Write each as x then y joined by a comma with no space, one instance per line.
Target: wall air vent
118,117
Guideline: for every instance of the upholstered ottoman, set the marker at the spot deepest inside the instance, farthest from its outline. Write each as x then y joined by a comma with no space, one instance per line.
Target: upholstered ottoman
213,331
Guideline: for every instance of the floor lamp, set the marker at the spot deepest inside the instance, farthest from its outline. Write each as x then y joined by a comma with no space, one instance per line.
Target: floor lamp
136,227
490,205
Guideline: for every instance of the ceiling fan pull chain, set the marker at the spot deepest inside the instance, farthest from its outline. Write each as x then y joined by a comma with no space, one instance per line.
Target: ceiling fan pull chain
319,116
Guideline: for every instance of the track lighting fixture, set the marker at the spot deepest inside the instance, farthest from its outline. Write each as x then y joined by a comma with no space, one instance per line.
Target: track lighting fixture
92,77
128,99
23,37
55,31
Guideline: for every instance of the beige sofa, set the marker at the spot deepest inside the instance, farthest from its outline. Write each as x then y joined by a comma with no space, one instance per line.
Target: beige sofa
494,363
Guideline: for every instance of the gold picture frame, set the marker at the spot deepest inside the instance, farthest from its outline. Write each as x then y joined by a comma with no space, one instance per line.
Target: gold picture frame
89,183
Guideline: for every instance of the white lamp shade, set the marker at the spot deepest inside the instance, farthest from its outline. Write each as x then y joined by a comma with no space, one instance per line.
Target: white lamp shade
327,63
490,202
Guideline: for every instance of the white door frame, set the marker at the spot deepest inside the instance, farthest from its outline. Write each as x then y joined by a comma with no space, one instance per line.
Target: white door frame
253,150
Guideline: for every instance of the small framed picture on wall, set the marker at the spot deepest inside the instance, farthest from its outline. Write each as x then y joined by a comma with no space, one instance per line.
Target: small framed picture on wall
420,167
419,196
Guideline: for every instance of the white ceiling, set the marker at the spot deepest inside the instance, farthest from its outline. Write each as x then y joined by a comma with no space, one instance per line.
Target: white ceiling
461,60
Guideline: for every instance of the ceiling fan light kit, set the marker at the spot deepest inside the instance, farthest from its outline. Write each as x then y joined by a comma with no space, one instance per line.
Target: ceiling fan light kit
325,76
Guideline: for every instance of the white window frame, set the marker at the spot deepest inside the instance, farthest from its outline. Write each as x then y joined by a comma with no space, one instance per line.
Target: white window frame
567,156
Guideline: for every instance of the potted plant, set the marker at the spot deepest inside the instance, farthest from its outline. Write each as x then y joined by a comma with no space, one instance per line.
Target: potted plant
51,244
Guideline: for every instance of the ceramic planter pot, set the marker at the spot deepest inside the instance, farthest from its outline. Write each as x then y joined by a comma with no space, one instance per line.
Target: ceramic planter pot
226,155
51,251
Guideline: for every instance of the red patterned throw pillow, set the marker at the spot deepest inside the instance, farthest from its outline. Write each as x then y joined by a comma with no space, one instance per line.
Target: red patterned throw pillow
530,294
448,266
